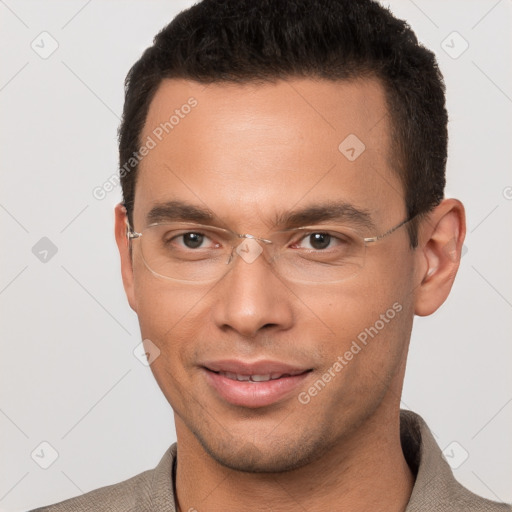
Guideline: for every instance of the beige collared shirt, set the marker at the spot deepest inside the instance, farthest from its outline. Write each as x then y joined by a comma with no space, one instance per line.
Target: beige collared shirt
435,488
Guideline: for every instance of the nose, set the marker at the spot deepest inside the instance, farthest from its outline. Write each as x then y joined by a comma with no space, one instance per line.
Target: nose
251,297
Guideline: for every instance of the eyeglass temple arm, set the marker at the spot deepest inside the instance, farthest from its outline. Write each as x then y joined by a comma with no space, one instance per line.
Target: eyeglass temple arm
388,232
130,233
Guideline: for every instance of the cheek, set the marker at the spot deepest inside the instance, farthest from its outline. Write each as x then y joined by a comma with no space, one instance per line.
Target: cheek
173,317
168,312
369,318
363,355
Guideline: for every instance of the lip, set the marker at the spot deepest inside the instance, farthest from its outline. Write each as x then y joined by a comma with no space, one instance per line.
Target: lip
254,394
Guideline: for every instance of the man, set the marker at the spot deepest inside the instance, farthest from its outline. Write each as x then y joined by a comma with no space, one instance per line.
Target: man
282,166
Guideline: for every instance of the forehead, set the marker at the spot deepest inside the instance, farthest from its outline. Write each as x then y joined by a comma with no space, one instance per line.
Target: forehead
255,151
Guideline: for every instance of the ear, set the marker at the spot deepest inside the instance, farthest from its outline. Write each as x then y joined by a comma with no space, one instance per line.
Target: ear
441,235
123,244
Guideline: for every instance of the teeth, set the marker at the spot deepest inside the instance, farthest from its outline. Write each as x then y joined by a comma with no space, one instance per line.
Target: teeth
252,378
257,378
260,378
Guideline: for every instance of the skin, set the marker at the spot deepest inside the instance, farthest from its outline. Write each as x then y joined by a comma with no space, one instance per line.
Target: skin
249,152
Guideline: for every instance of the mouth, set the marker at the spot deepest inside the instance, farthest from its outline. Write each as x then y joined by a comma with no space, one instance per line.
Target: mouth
258,378
254,385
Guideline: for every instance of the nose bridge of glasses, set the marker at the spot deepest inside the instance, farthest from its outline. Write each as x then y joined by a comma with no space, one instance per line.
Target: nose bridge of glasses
257,238
249,247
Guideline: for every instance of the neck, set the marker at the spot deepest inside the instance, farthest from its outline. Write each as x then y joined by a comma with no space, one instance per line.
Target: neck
365,470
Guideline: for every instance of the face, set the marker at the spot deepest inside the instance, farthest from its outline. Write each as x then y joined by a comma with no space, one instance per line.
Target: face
251,155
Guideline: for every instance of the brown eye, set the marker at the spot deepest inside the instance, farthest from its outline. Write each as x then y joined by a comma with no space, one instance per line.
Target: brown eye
193,240
319,241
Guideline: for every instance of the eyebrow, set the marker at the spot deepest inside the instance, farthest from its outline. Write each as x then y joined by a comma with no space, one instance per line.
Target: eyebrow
179,211
174,211
330,211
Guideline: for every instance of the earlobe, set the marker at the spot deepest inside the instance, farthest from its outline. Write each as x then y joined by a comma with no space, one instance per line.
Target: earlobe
438,255
123,246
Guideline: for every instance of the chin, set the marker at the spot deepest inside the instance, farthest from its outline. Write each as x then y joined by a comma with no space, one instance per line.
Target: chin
278,456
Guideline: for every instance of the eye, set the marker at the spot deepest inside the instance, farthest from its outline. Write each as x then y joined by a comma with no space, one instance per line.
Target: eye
192,240
318,241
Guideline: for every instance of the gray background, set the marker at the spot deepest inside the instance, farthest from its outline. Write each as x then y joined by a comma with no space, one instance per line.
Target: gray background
68,373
